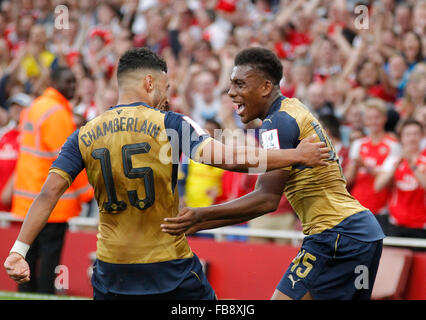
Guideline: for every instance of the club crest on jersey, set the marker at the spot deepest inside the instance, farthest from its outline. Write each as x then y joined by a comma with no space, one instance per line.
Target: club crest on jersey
270,139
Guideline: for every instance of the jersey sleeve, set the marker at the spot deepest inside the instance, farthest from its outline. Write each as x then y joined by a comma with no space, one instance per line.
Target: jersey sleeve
69,162
281,131
185,135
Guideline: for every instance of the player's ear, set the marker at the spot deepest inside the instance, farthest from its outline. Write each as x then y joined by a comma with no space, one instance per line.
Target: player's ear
148,83
268,86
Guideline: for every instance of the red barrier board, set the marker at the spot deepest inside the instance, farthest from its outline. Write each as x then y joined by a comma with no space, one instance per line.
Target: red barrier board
236,270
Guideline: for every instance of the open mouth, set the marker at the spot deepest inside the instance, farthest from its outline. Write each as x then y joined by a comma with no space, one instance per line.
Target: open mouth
240,109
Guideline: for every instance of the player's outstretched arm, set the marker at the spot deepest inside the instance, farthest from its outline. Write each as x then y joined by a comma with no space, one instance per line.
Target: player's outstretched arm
265,198
242,158
35,220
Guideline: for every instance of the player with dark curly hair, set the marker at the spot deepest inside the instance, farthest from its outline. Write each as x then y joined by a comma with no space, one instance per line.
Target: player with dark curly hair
341,234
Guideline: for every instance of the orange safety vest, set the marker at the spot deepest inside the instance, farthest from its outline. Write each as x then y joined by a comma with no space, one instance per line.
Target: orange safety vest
45,126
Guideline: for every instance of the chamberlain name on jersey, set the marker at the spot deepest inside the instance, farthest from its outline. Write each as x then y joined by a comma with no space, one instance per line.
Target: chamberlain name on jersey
317,194
135,190
127,124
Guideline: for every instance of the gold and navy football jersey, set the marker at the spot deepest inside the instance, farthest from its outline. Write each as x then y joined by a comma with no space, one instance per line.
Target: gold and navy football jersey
317,194
131,155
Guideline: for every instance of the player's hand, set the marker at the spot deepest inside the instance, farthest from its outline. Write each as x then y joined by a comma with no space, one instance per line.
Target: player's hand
313,153
182,223
17,268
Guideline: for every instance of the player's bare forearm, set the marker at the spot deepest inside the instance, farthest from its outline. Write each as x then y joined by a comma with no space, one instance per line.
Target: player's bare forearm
212,224
41,208
16,266
255,203
265,198
241,159
191,220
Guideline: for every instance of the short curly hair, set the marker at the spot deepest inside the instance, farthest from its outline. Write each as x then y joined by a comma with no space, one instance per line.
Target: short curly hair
263,60
140,58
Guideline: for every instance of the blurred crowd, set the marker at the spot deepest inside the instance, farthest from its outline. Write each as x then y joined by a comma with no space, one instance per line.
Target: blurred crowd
358,65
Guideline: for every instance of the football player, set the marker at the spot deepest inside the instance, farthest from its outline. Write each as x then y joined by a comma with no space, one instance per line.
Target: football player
131,154
341,234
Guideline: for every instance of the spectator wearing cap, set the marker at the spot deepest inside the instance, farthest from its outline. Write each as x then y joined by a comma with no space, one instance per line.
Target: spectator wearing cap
9,148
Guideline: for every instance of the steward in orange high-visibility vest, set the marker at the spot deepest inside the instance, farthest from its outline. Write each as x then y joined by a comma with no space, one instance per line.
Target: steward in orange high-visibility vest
45,127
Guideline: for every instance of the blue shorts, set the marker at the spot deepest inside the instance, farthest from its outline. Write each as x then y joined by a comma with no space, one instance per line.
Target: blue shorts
193,284
332,266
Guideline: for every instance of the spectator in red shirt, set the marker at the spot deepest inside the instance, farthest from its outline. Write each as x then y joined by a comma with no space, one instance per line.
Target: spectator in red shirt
407,206
369,156
9,148
369,77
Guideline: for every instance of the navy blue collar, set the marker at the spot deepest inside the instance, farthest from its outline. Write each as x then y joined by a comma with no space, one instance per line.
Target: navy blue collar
276,105
134,104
